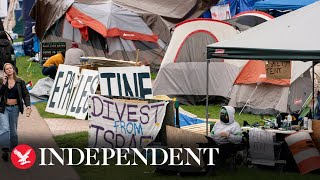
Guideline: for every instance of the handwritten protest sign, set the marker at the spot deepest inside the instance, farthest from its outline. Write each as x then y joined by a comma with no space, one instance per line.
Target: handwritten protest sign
116,124
261,147
62,89
88,83
126,81
278,69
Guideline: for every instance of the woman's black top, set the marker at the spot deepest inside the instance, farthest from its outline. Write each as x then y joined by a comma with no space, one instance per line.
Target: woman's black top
13,92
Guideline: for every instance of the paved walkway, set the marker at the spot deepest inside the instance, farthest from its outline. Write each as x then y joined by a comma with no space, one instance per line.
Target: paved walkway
35,132
66,126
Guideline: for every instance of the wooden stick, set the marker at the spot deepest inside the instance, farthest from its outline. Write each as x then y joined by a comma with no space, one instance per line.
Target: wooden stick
137,57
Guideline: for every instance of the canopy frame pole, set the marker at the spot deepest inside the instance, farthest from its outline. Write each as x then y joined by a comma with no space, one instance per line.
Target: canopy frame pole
207,97
314,96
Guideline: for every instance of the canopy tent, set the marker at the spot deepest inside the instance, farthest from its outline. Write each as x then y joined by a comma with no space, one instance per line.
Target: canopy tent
282,4
293,36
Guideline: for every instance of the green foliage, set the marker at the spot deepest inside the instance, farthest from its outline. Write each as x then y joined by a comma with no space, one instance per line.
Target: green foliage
29,71
20,39
153,75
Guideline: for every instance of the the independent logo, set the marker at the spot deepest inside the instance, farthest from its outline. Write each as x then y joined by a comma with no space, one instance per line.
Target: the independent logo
23,156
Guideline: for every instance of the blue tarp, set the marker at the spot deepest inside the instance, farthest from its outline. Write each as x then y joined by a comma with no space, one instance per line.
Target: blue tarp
282,4
187,120
238,6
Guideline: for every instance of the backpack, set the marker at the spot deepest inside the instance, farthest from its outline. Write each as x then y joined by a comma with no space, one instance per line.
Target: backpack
6,49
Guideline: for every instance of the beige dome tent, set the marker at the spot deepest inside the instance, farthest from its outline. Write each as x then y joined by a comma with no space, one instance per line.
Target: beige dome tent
182,72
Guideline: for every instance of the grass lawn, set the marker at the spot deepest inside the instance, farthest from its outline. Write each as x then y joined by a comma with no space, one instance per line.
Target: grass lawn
79,140
214,110
41,107
20,39
31,71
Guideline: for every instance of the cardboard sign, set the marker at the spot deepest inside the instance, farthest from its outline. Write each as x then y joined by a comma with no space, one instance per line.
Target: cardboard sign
61,91
221,12
126,81
87,85
261,147
51,48
116,124
278,69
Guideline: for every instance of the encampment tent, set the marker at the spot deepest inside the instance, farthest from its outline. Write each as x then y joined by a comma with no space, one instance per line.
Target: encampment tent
135,25
249,19
107,30
262,95
182,70
182,73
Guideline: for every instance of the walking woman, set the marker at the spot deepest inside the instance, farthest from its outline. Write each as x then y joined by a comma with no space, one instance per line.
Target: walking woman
13,94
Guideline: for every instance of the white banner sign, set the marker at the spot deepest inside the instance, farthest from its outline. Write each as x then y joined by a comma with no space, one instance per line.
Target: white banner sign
87,85
221,12
126,81
116,124
61,91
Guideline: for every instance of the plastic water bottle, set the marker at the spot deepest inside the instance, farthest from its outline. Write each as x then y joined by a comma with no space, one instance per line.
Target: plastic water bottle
309,124
305,123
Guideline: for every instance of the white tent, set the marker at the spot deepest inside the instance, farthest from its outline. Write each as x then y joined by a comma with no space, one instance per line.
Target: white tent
182,71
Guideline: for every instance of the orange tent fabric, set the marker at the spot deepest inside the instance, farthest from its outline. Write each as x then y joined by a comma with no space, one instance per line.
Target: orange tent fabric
82,21
254,72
